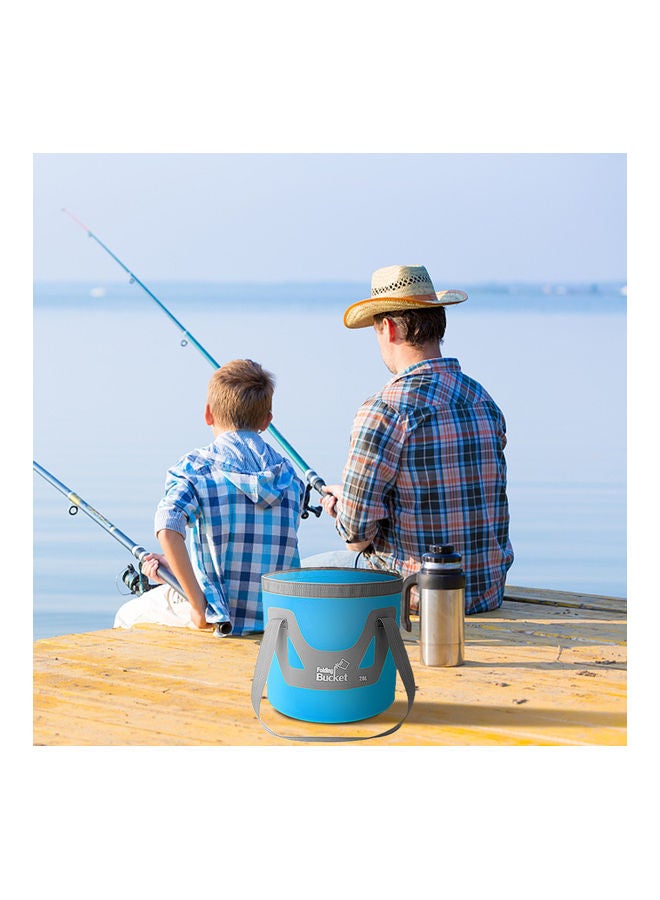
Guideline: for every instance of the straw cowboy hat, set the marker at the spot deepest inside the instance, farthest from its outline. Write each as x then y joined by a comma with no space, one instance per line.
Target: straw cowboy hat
396,288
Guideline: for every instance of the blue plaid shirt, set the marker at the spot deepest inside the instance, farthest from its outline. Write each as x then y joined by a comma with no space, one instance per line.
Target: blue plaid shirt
242,501
426,466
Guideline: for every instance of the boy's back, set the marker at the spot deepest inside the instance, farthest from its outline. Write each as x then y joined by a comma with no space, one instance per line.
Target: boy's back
242,501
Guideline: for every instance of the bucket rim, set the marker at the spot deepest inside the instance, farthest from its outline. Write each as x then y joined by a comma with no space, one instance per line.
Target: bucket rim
382,572
377,585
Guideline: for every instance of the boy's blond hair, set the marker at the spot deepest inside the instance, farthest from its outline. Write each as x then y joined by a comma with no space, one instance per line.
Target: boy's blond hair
240,395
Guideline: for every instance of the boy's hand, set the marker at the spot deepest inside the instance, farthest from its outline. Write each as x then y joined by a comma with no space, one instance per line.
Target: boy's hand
199,619
150,566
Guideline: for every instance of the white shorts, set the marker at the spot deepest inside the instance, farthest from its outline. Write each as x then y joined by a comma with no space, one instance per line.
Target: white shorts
161,605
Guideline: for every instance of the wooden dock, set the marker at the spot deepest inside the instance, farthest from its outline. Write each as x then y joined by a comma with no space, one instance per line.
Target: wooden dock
548,668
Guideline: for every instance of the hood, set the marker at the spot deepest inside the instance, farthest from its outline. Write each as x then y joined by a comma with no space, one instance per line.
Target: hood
253,467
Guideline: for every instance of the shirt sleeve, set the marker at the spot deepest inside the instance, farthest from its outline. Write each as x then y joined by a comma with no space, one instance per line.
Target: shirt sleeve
370,472
504,437
180,505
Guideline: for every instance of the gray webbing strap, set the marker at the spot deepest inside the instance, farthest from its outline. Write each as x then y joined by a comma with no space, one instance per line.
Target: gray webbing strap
265,658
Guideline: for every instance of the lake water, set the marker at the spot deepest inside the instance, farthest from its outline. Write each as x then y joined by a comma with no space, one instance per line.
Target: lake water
117,400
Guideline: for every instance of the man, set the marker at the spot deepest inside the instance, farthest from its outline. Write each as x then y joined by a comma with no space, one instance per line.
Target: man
426,462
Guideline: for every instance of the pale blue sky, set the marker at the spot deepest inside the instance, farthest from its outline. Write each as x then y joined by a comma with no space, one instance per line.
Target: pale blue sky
276,217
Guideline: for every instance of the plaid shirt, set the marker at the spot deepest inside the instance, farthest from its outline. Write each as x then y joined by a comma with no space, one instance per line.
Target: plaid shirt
426,466
242,501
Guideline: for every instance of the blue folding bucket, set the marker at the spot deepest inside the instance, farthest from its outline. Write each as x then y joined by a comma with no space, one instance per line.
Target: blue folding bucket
332,645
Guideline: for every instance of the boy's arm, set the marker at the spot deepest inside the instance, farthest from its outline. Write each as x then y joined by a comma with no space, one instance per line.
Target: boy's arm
178,560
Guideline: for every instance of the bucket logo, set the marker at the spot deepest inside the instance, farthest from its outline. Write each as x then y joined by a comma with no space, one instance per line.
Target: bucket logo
335,673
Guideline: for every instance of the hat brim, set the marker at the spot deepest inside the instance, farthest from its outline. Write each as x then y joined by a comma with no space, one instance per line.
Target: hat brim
361,314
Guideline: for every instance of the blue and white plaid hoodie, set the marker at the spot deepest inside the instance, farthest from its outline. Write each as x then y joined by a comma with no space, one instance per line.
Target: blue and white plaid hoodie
242,502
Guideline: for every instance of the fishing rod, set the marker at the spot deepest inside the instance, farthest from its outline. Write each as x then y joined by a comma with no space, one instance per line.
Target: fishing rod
78,503
313,479
137,582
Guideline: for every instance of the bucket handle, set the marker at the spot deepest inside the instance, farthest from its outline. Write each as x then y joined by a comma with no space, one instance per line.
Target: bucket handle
265,658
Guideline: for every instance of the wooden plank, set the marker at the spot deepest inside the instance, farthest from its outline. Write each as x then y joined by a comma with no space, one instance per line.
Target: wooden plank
534,674
569,599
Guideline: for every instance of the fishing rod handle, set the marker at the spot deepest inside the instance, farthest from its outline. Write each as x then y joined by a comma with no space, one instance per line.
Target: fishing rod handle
163,572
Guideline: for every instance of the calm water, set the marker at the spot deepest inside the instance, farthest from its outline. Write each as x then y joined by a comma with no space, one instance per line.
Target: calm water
117,399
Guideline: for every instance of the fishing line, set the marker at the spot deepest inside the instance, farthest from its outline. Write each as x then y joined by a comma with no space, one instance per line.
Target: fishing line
313,479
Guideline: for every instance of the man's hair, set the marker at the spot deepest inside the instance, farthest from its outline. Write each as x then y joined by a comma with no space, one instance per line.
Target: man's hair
241,394
418,326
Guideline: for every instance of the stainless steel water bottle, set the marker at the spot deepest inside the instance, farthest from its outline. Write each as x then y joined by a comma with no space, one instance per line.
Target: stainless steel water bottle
441,588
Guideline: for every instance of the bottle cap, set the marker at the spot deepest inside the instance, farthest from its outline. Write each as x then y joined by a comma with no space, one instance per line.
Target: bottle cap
443,554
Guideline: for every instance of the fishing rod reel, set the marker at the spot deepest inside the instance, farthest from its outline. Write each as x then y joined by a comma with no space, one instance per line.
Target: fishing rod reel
307,508
136,581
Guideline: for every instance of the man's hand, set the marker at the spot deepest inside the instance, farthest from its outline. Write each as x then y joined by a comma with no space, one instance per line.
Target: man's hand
329,502
330,499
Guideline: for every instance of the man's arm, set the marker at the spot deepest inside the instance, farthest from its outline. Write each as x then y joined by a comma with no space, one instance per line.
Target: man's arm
358,546
330,502
178,560
369,474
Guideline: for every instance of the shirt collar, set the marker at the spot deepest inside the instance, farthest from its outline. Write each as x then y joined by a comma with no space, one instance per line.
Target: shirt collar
428,366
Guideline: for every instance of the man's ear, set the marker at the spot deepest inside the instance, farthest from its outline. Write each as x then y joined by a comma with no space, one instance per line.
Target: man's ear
389,329
208,415
267,421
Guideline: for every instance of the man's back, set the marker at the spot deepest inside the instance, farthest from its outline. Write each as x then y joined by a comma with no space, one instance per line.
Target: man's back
426,466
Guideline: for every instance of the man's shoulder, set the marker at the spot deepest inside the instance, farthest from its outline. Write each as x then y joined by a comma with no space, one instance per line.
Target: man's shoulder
441,382
383,404
474,391
395,399
409,390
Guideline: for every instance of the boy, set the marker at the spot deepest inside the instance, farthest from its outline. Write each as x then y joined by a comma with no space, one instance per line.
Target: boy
242,501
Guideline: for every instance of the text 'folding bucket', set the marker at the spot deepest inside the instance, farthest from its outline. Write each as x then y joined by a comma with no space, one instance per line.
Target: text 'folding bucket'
331,646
